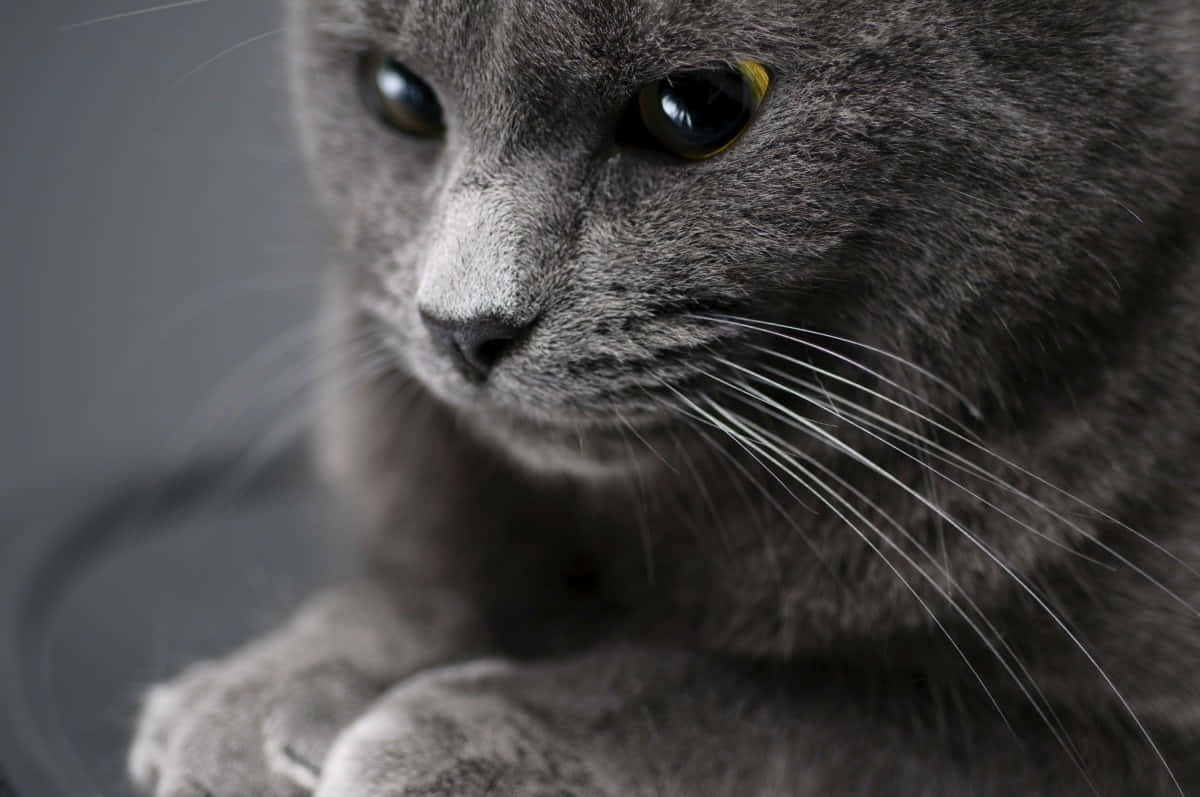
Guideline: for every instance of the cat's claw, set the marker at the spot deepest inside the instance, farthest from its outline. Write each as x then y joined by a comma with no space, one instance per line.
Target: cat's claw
450,732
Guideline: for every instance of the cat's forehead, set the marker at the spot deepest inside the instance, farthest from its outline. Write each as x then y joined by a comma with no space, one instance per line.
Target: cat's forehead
597,34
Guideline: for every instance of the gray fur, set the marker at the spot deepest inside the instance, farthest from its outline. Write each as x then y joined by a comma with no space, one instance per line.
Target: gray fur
1005,193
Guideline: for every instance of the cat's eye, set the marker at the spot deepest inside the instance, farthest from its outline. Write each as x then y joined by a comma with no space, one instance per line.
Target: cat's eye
397,97
699,113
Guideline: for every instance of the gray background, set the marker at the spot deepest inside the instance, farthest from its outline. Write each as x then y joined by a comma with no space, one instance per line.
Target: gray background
156,231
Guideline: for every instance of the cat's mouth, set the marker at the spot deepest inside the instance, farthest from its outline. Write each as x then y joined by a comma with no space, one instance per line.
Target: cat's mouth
547,414
592,435
593,445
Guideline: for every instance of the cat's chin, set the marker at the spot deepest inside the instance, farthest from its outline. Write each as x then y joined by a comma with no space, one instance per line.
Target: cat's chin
592,450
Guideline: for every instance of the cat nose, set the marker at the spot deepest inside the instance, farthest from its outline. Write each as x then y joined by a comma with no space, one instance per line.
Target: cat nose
475,345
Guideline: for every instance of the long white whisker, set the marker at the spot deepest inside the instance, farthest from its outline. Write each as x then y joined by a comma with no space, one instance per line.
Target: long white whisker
307,368
291,426
944,384
223,53
783,445
705,494
1053,722
194,307
821,434
1041,705
772,554
215,403
634,431
766,493
838,356
1090,536
807,479
975,445
639,509
127,14
927,446
1036,532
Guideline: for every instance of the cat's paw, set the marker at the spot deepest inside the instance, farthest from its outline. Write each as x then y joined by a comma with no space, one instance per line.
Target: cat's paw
247,726
453,732
260,722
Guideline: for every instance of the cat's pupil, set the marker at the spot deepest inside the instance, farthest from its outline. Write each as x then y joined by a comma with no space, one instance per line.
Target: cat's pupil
698,113
705,106
398,98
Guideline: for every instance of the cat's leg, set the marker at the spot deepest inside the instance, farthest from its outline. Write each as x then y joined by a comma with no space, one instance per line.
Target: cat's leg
654,724
261,721
617,723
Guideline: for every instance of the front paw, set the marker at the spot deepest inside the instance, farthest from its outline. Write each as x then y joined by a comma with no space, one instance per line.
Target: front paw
452,732
254,724
260,723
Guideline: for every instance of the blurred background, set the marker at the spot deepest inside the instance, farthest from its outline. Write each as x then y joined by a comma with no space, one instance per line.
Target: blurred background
156,224
161,257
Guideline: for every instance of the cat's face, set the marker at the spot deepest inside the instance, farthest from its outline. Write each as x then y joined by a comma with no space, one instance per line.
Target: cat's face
953,182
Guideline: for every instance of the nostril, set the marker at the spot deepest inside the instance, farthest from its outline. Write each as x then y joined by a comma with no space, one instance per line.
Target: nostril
474,345
488,352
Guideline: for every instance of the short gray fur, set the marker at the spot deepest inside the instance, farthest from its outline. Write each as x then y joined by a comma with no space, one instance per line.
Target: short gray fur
578,582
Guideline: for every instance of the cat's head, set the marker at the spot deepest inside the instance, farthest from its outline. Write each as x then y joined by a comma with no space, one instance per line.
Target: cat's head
564,218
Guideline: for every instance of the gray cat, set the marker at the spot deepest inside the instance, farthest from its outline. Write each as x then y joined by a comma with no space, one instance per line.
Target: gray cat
747,397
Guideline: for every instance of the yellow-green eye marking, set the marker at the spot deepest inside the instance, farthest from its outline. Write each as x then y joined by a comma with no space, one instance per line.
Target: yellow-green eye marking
700,113
397,97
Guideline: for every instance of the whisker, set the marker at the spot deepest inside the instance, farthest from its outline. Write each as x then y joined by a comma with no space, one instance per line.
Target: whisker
1040,534
196,306
768,544
766,493
311,370
223,53
841,357
127,14
1091,537
220,396
644,441
991,555
930,375
705,494
639,510
1053,722
290,427
932,448
975,444
807,479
